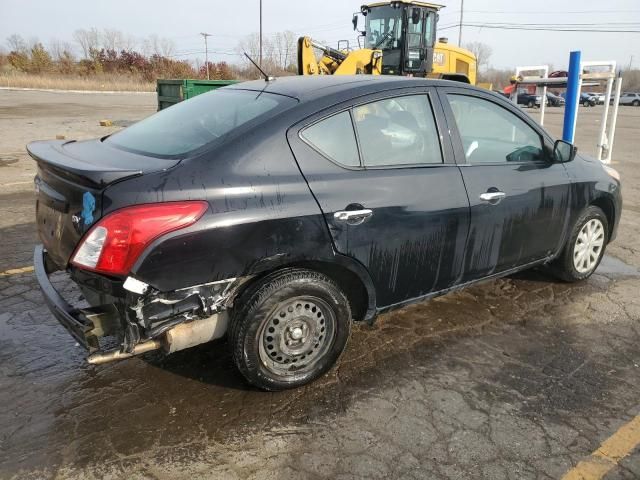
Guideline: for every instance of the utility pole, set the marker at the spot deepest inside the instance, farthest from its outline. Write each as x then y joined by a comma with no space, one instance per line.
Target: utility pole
461,17
260,58
206,51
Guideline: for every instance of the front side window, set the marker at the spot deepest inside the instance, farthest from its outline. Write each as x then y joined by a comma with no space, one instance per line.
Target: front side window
397,131
191,124
492,134
334,138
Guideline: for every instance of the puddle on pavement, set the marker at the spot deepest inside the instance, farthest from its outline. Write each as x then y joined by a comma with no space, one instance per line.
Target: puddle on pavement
126,408
6,160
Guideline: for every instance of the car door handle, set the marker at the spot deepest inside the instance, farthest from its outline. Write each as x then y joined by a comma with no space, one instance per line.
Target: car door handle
353,217
492,197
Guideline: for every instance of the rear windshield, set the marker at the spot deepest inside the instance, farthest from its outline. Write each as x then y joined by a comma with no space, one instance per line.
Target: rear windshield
189,125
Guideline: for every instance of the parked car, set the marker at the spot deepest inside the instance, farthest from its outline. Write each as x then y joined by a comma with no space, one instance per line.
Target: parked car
630,98
278,212
555,100
529,99
588,100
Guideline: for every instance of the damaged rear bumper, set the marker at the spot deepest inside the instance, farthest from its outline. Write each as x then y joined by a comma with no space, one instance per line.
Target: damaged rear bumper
71,318
145,320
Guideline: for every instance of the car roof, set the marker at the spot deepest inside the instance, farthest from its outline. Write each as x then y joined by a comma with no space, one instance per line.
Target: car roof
310,87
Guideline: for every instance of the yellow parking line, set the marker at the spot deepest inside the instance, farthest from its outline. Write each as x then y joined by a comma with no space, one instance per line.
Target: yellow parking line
614,449
16,271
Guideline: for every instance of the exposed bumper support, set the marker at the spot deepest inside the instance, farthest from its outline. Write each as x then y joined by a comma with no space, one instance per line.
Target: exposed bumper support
172,321
71,318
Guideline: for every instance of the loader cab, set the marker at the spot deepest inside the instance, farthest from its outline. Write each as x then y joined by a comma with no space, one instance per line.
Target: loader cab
405,32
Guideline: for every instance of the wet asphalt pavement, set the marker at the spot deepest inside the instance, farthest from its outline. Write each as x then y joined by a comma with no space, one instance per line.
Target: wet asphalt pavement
516,378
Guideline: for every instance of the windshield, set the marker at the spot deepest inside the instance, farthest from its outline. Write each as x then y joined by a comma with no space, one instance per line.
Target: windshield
384,31
191,124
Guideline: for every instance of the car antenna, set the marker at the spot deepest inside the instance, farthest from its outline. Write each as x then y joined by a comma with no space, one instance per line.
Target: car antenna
267,78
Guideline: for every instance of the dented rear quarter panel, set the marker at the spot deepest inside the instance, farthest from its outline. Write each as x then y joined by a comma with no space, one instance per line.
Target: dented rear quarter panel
261,213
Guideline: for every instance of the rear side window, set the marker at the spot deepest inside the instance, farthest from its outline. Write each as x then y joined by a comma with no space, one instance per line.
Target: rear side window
191,124
398,131
335,139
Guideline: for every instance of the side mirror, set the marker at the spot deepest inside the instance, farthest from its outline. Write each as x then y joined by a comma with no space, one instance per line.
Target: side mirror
354,21
415,15
563,151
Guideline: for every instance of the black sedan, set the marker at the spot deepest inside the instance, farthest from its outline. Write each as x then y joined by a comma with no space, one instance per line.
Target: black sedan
555,100
529,99
276,213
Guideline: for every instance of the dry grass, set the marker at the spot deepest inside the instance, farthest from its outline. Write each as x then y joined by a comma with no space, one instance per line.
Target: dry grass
118,83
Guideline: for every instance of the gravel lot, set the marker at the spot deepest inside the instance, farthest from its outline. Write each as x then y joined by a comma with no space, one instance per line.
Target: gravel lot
517,378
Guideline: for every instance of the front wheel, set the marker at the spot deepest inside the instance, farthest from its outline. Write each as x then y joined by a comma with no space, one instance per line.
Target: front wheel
585,247
531,104
289,329
636,103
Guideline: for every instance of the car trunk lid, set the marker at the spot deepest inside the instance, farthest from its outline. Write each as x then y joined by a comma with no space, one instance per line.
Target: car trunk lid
70,179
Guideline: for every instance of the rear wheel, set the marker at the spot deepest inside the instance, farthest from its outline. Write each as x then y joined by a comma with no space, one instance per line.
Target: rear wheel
289,329
585,247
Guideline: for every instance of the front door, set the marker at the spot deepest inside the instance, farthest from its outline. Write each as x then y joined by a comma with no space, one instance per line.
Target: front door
519,198
391,195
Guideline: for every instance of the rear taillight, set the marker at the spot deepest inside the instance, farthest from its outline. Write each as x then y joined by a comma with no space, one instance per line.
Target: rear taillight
114,244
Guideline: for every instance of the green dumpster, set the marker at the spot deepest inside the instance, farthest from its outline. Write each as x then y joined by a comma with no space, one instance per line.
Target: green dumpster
171,92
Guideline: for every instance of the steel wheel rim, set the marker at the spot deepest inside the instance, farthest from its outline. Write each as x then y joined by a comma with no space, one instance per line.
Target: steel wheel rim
588,247
296,335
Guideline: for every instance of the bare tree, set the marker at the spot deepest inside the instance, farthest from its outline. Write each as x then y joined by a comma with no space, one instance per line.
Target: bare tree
155,45
88,40
112,39
250,45
284,48
482,51
129,43
16,43
59,49
167,47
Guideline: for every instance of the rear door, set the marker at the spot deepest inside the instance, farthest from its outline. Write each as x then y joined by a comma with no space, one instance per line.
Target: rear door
519,198
382,171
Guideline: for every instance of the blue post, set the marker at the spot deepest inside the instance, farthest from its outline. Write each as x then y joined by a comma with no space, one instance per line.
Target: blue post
572,100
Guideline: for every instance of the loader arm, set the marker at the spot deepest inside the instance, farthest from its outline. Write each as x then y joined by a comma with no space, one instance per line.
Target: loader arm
336,62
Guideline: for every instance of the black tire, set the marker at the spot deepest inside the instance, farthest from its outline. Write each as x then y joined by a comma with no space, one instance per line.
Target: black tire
564,266
531,104
289,302
636,103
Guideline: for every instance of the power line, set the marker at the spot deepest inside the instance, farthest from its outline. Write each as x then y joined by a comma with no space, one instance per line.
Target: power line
555,12
543,27
548,24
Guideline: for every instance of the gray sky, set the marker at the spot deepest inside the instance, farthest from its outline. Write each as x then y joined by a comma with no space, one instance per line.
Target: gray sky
329,20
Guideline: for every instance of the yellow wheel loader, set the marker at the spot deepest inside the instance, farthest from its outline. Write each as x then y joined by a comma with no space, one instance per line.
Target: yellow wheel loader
399,39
